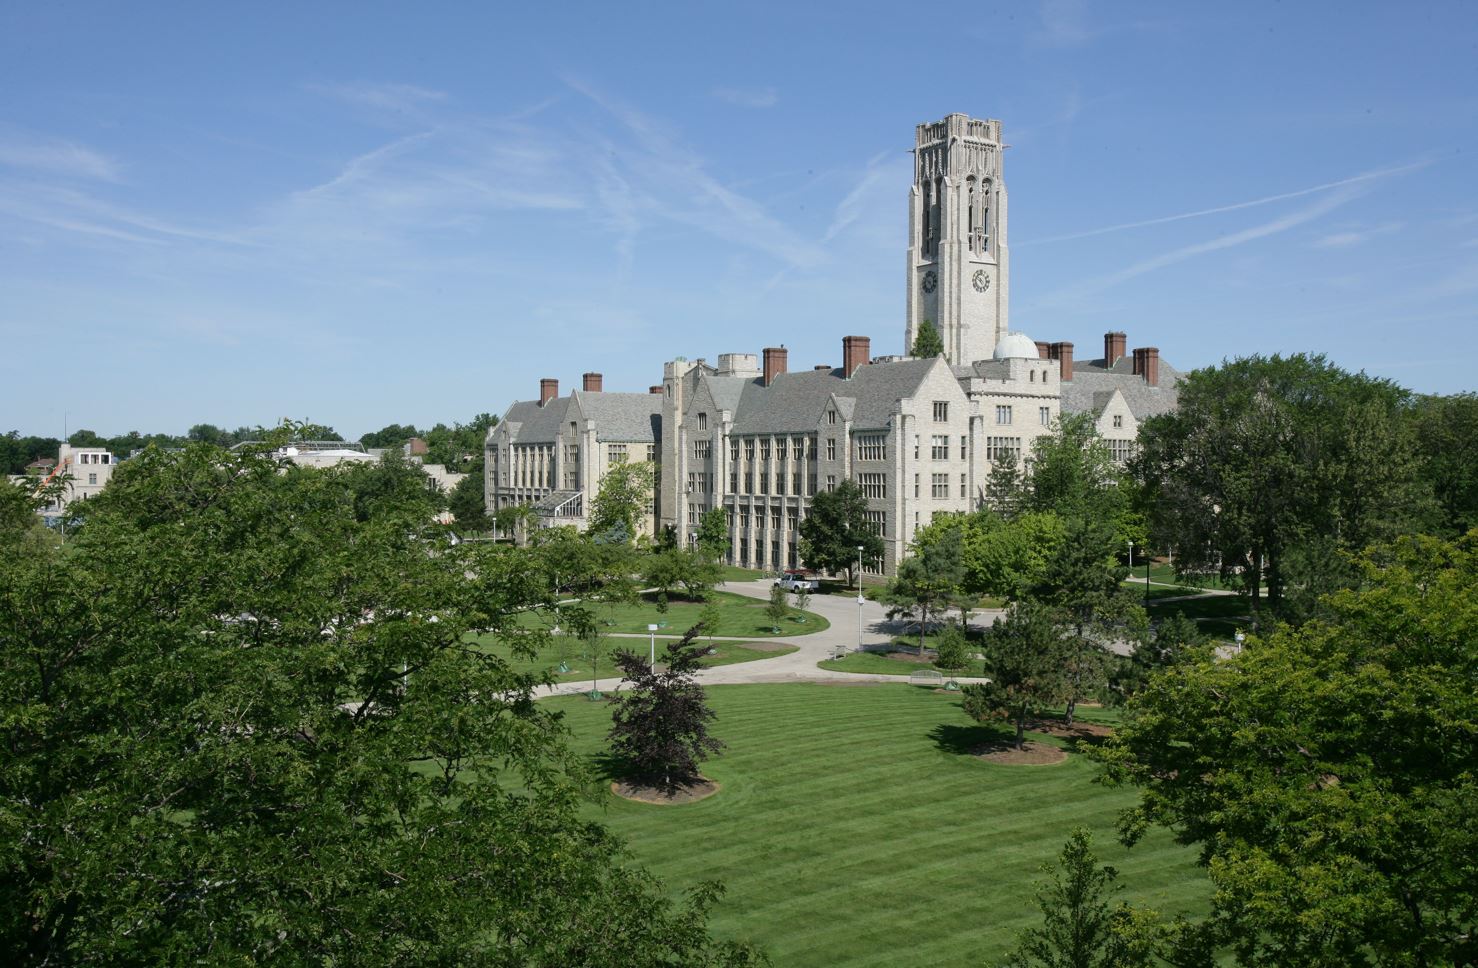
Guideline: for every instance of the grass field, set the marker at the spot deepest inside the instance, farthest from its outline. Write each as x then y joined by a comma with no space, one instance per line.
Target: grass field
577,661
739,617
853,829
882,664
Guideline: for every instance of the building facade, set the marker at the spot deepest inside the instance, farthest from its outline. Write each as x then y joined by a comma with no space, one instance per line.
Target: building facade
754,439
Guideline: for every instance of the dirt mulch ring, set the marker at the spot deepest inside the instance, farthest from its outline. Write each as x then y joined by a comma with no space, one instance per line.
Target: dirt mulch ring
692,793
1032,754
1078,730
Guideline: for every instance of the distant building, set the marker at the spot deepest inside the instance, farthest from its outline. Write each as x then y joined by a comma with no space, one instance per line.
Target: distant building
552,453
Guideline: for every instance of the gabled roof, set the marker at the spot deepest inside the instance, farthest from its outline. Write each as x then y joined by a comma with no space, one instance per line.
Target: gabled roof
530,423
632,417
795,402
1091,378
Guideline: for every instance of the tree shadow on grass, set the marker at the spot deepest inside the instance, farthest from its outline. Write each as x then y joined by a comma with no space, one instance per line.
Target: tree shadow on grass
972,740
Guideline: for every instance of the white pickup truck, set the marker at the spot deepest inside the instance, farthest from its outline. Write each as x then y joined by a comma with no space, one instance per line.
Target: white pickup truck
795,581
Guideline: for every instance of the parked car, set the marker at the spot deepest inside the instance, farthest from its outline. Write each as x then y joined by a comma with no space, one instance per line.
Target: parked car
795,581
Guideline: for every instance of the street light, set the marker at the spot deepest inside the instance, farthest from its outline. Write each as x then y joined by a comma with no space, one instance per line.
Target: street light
859,598
1240,639
652,631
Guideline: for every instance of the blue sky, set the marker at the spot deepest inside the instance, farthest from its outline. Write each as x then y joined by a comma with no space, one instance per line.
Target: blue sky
373,213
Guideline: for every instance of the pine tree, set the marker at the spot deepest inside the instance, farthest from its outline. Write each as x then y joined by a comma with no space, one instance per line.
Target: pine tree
928,343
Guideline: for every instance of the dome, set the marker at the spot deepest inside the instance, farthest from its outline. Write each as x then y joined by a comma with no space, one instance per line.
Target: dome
1015,346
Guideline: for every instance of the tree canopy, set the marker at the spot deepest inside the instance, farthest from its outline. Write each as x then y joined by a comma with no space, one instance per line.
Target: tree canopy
836,525
1328,772
241,721
928,342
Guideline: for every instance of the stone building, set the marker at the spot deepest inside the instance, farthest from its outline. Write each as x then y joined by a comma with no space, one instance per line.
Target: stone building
920,436
551,453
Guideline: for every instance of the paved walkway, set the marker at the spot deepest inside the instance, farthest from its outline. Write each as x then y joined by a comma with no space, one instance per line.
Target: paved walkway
842,611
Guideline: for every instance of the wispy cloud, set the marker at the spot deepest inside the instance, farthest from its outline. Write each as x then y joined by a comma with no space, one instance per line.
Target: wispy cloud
1064,23
1319,208
1235,206
53,156
748,97
394,98
1352,237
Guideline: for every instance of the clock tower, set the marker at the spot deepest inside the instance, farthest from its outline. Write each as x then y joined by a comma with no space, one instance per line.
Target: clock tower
958,269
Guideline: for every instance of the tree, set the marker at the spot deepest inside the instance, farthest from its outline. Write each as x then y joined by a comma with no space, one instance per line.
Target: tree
1024,658
1073,475
1266,453
1083,582
516,520
709,618
1079,928
802,599
1328,772
778,608
1446,432
952,650
622,500
210,434
660,726
240,722
927,342
713,533
928,582
836,526
468,504
1005,489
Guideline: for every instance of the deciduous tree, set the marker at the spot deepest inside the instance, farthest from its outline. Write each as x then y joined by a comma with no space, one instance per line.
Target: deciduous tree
660,725
836,526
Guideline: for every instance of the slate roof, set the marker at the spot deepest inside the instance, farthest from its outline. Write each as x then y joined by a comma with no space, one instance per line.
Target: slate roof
631,417
795,401
536,424
1093,384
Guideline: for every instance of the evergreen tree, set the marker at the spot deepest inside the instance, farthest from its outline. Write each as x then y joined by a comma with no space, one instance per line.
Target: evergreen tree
1025,655
927,343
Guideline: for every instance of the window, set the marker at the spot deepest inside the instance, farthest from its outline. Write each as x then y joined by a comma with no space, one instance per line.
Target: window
915,446
941,411
1118,421
998,447
779,483
765,449
831,449
916,485
811,484
651,453
1045,415
963,495
790,521
702,449
749,449
1121,450
798,447
877,522
733,482
733,451
939,487
702,421
874,485
963,449
869,446
748,482
795,483
780,445
831,416
939,447
1003,415
831,482
92,478
774,520
764,481
744,519
615,453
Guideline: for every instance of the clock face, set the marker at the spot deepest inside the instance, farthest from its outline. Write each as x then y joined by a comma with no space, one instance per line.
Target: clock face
930,281
981,281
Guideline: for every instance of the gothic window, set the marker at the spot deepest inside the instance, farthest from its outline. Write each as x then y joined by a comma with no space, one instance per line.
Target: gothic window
702,421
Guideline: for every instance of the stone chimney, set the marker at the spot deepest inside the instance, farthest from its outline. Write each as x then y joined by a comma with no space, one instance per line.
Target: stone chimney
655,389
1113,348
1063,354
592,382
855,352
1147,364
775,357
548,390
1044,350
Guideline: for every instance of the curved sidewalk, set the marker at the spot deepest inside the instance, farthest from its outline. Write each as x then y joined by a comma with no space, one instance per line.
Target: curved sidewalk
842,611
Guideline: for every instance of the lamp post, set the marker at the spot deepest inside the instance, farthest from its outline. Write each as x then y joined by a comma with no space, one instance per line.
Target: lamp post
859,598
1240,639
652,631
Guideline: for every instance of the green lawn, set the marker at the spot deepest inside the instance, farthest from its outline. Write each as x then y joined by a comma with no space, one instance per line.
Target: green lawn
735,573
880,664
572,653
740,617
852,829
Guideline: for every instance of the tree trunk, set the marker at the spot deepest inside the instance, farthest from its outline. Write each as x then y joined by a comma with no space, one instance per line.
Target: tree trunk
1021,729
923,621
1256,586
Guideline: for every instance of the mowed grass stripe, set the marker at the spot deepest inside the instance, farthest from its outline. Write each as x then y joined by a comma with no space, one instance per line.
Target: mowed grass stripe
848,834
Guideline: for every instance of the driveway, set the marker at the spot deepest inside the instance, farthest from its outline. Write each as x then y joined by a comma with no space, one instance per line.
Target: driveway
844,614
